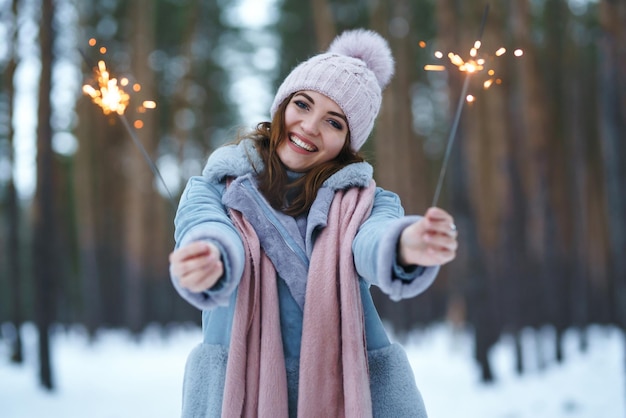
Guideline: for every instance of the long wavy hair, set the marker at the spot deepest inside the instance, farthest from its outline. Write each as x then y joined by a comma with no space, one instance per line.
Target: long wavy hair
273,180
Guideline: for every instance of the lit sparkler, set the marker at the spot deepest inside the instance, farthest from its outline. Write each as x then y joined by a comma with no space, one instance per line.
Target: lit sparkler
475,63
110,95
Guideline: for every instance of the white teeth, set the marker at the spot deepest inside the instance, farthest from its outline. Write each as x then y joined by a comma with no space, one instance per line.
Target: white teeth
297,141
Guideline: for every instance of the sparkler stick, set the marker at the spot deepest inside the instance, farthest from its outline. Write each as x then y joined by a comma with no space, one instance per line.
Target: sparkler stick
153,167
459,109
455,124
113,99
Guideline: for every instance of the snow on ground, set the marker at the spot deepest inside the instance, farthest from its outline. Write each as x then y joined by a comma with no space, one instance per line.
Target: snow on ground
586,385
119,376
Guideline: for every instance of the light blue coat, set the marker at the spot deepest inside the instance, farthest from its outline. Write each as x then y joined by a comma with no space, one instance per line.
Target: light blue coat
202,215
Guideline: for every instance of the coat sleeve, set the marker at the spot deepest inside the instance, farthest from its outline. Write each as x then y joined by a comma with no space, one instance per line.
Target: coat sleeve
201,216
375,250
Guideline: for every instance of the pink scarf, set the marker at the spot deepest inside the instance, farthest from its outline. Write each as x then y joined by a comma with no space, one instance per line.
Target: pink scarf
334,378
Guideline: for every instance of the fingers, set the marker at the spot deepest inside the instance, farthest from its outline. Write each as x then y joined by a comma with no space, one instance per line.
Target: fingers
197,266
440,222
440,250
430,241
189,250
189,257
437,241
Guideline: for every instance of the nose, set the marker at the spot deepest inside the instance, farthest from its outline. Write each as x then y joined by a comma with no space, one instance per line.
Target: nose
309,125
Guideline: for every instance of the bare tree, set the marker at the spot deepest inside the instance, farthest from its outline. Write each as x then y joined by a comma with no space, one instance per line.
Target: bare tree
44,218
13,209
613,126
86,214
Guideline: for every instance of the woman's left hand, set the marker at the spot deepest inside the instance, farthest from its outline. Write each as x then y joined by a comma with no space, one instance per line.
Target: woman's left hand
430,241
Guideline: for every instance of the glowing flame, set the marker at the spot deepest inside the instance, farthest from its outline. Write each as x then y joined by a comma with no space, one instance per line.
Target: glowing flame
109,93
470,67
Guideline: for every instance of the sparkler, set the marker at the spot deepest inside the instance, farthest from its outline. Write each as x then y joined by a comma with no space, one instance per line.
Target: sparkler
110,95
473,65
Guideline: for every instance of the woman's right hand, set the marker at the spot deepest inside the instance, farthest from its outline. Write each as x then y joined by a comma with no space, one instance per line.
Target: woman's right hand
197,265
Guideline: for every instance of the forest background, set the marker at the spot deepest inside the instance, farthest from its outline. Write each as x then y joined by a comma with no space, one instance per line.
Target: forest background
536,177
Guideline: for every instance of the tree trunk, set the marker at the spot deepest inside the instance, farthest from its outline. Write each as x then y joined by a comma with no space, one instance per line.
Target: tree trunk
531,130
325,30
613,126
559,240
528,132
14,252
141,199
86,203
44,219
180,96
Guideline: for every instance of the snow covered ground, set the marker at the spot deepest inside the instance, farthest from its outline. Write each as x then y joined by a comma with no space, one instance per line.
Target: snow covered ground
119,376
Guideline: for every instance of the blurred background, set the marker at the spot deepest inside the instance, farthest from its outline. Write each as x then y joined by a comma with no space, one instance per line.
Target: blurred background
536,178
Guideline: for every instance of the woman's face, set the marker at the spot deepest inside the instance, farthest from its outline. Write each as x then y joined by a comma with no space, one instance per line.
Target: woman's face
316,131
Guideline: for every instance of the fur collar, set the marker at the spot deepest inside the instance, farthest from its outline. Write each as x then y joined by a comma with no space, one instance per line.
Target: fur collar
236,160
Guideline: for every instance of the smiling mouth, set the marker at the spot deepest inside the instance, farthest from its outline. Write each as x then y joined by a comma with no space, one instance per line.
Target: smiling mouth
301,144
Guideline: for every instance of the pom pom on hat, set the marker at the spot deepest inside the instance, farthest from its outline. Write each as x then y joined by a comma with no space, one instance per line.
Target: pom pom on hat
369,47
353,72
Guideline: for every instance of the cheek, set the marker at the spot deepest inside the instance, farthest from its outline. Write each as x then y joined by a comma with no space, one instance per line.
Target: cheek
337,145
290,115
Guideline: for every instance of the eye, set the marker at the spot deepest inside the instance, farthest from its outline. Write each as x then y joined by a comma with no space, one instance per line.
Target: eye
301,104
335,124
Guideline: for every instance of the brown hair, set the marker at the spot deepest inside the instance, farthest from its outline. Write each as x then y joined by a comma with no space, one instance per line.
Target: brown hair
273,180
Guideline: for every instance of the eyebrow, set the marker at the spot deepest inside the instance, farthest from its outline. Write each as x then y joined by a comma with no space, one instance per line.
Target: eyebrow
309,98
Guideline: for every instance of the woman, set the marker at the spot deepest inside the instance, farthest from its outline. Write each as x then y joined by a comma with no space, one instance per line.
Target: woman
278,242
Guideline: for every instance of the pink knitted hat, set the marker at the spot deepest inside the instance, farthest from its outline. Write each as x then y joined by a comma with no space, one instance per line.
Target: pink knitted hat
353,72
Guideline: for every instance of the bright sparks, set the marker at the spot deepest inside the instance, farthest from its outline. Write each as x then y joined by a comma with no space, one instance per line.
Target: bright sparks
112,98
431,67
474,64
109,93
